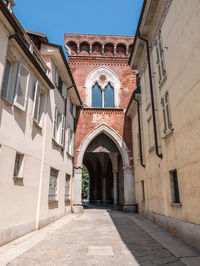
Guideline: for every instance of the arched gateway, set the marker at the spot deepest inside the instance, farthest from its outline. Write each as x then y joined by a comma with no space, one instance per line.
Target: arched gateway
103,140
105,154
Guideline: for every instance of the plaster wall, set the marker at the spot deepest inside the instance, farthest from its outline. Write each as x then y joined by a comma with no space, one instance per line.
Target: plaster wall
181,147
24,204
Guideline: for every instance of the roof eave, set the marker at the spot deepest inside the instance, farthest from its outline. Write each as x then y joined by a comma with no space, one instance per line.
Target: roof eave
131,58
68,69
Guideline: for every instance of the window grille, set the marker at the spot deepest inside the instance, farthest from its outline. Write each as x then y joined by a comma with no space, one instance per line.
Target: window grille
53,185
67,187
160,58
174,186
167,121
18,168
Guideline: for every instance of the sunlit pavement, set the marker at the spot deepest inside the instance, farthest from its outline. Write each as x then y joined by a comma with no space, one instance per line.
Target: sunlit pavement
100,237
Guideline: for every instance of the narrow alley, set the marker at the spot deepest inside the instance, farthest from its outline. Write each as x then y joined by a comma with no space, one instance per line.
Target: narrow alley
99,236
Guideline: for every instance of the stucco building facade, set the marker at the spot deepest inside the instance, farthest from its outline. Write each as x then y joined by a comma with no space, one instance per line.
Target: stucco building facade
99,64
165,116
37,111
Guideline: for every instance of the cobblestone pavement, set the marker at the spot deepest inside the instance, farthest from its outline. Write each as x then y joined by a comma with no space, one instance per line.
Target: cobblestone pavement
103,237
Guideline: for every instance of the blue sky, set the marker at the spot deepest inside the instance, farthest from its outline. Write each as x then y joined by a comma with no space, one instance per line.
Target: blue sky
117,17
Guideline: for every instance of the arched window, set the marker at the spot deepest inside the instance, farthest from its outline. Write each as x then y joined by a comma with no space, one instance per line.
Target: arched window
103,83
96,96
103,98
109,96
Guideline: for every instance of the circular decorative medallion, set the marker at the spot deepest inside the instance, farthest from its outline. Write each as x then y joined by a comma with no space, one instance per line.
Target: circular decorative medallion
102,78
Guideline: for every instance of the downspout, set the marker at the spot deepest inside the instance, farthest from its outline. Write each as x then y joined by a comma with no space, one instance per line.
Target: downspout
37,221
68,88
139,130
74,146
152,97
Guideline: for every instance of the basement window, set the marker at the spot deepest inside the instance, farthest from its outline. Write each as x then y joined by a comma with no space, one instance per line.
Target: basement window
174,187
18,168
142,190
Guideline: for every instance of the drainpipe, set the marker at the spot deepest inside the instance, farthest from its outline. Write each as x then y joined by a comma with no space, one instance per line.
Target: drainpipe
139,130
152,97
68,88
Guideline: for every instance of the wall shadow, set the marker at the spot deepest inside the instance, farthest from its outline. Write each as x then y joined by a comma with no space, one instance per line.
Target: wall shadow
142,246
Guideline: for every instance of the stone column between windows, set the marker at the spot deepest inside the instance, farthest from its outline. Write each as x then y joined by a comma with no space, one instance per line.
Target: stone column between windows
77,203
90,49
78,48
103,50
127,50
129,189
115,50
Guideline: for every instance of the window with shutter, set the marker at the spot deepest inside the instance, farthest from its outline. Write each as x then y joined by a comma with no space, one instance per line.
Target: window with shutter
167,121
63,131
74,111
38,109
21,87
56,77
5,87
54,124
15,84
160,58
64,91
60,85
59,128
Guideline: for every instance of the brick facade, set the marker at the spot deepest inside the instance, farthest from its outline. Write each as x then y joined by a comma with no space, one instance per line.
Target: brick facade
87,53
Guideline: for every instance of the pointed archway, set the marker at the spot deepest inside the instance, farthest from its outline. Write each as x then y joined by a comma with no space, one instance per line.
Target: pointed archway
125,168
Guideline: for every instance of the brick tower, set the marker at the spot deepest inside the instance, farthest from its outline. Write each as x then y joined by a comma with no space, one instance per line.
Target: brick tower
103,140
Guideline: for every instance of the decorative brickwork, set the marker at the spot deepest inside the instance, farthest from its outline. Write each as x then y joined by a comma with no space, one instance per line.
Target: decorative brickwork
110,53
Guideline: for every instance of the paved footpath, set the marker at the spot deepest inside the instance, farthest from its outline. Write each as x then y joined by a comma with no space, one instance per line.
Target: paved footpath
99,237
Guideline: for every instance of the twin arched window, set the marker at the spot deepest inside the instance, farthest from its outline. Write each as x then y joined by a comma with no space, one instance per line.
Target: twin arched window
102,97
